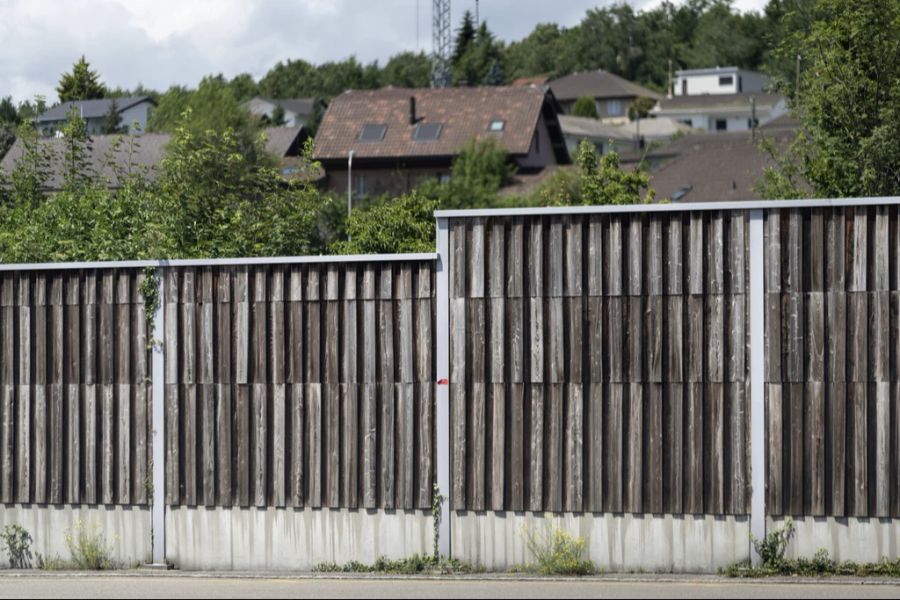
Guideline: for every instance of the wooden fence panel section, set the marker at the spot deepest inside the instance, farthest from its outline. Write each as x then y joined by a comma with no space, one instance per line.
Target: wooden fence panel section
598,363
74,388
301,385
832,311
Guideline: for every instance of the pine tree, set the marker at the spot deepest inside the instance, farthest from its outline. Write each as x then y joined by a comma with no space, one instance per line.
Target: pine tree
112,121
465,35
81,84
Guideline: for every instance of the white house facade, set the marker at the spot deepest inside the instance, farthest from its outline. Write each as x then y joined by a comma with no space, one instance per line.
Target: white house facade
718,80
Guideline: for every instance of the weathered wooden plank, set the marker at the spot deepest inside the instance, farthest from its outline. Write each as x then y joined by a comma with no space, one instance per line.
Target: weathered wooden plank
277,336
652,465
857,450
90,435
595,338
737,479
814,448
259,340
634,339
534,259
457,260
775,454
515,339
694,449
55,468
653,284
278,439
476,479
572,241
534,450
653,338
792,240
314,427
475,268
715,338
613,448
496,282
496,343
772,252
879,345
41,443
694,259
735,338
674,256
242,466
614,257
108,448
634,445
881,444
673,448
515,259
312,320
595,256
858,249
515,469
206,400
297,439
497,445
122,432
190,440
143,425
735,247
792,336
424,445
673,340
224,336
714,448
332,410
857,337
8,437
593,448
554,259
794,472
835,448
224,444
696,317
458,445
535,340
387,402
574,448
553,459
405,446
634,254
241,327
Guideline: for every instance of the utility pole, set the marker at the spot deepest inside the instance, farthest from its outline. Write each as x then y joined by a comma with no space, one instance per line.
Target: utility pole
797,82
441,43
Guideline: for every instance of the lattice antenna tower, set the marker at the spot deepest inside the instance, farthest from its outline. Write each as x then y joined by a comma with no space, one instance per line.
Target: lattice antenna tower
441,38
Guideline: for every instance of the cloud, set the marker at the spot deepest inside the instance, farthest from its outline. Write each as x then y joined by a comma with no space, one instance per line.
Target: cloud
163,42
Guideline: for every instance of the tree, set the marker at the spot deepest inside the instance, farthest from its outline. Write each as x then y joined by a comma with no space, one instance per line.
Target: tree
408,70
9,121
389,225
640,108
848,105
585,106
599,180
112,120
278,119
477,174
32,170
82,83
76,160
480,57
465,37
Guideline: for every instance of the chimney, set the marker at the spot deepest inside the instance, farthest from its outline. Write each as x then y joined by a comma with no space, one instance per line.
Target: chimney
412,110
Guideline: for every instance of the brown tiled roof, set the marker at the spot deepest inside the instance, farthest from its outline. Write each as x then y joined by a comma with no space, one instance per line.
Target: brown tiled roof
598,84
708,167
463,112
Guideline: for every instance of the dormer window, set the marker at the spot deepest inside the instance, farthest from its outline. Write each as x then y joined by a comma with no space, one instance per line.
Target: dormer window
497,126
372,132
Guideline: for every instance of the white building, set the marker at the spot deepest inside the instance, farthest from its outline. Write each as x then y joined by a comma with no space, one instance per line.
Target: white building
720,80
134,112
721,99
296,111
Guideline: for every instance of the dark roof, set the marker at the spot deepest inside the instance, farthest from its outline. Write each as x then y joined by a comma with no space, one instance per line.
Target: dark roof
465,113
707,167
718,101
147,151
92,109
598,84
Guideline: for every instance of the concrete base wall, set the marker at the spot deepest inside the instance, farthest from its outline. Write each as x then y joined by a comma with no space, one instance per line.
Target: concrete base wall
860,540
288,539
126,529
616,543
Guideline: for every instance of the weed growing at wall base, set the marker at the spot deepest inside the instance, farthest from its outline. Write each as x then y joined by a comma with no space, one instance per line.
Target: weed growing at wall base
16,541
558,553
413,565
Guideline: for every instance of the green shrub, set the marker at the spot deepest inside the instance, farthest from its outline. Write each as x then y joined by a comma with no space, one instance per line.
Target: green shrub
17,542
88,548
412,565
559,553
585,106
772,547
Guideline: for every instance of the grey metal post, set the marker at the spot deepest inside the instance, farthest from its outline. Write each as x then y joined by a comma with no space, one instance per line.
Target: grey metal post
757,381
158,376
442,418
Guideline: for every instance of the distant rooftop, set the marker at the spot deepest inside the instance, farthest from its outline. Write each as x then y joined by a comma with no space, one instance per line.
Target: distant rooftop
711,71
598,84
91,109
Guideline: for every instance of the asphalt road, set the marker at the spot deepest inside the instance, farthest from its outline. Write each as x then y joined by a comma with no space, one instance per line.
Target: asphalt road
223,587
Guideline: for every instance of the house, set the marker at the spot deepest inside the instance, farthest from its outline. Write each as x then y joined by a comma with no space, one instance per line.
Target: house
612,94
134,112
709,167
723,112
604,137
721,99
398,137
718,80
112,157
297,111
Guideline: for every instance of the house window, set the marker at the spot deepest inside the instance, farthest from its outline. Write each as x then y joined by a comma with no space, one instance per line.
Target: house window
497,126
372,132
360,186
721,125
684,87
726,80
613,108
427,132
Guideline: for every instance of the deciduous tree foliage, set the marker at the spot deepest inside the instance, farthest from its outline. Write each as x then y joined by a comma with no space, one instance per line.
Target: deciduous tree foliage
848,104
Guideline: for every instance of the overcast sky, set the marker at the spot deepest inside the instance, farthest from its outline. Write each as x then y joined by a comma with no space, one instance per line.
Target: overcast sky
163,42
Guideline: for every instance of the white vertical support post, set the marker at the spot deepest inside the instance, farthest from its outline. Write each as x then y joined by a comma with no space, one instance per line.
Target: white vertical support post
442,418
757,381
158,378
